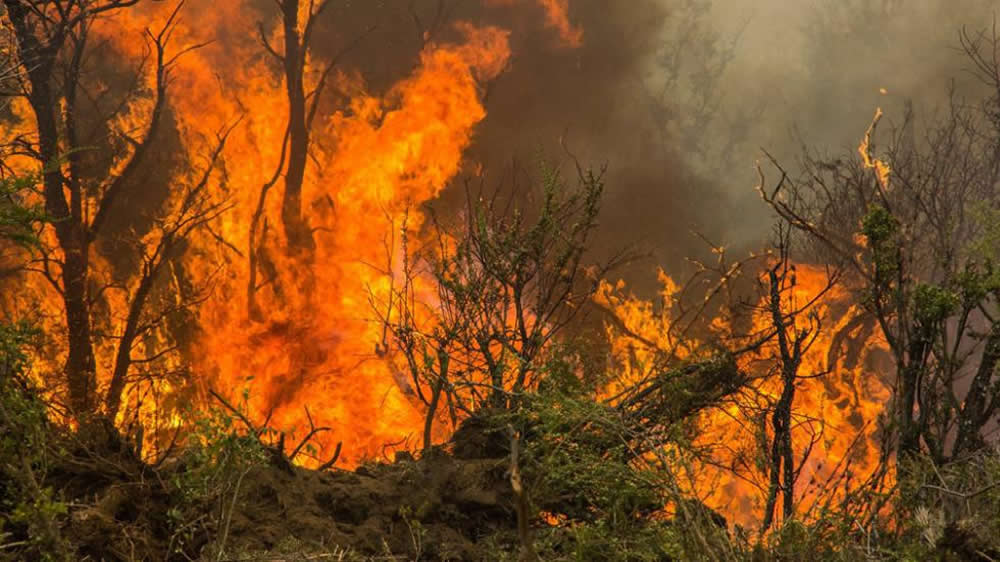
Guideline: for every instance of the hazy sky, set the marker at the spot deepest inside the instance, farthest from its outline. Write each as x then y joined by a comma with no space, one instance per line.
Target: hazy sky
811,71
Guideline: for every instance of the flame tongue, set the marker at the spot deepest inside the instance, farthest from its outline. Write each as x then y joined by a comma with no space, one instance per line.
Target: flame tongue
556,18
837,412
384,156
372,163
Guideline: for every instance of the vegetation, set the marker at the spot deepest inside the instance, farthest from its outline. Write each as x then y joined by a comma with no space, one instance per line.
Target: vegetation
549,454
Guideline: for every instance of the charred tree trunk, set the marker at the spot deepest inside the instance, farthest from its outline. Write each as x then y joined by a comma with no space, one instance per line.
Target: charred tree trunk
51,38
123,359
296,229
437,388
979,402
910,429
782,469
38,59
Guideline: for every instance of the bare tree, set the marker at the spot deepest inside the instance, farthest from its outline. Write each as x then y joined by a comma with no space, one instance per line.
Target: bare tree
303,105
297,36
792,341
505,285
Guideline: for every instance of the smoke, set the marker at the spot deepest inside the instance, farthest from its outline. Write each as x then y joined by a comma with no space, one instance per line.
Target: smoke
678,97
811,75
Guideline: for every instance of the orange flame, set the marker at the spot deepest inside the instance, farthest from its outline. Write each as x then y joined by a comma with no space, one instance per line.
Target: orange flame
386,155
881,167
837,412
556,18
372,162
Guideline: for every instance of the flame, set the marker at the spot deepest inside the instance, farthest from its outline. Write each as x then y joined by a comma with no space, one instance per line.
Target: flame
556,18
383,156
374,160
881,167
837,412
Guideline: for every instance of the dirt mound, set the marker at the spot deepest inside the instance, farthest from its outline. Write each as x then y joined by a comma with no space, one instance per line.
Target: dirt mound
437,507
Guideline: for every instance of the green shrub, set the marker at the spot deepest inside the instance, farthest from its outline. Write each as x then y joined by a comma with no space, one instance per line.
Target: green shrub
31,513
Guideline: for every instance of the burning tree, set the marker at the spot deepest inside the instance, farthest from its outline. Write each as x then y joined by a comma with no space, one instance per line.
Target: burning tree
915,229
83,192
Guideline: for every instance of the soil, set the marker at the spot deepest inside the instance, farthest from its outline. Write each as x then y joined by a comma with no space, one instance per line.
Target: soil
442,506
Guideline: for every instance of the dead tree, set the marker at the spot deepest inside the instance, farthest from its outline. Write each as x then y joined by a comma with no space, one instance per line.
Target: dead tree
293,61
193,211
43,34
791,343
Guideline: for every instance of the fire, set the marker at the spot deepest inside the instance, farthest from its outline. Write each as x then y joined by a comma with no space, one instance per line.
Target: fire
881,167
556,16
308,337
382,157
557,19
836,412
374,160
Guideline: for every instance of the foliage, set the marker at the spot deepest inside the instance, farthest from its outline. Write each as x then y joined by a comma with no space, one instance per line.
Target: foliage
18,220
918,245
505,284
30,511
216,458
593,493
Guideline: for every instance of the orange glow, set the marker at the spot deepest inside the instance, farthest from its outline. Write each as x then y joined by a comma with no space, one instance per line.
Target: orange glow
556,18
315,346
373,161
881,167
838,410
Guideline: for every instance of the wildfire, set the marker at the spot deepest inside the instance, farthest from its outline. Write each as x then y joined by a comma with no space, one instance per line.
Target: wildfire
299,332
556,18
374,160
838,400
380,158
881,167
